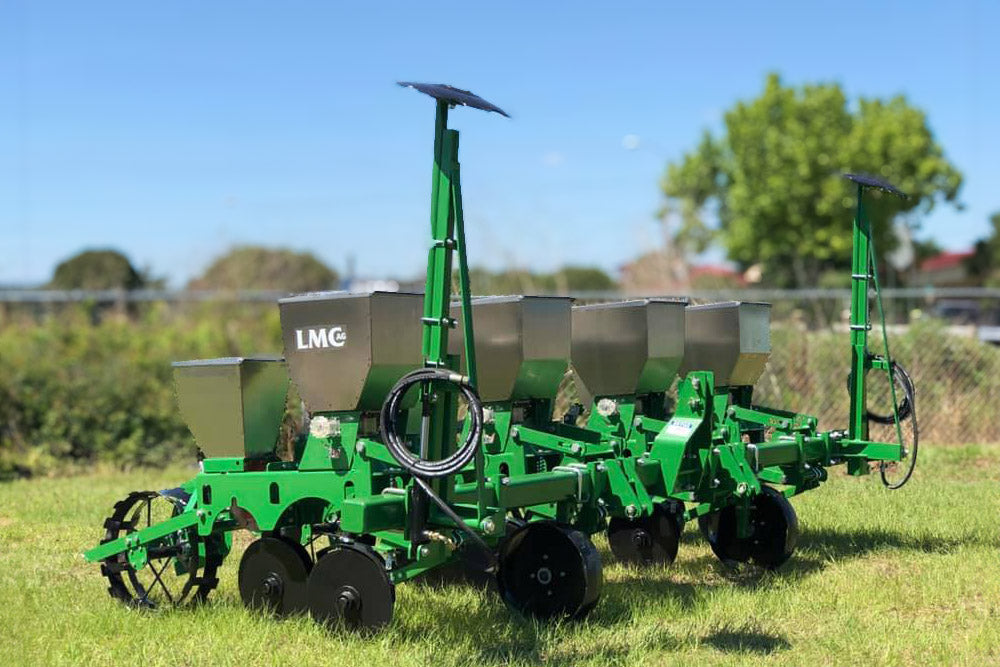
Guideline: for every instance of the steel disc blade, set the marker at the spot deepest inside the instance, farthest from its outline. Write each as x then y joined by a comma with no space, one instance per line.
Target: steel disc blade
549,571
349,585
775,529
273,575
719,529
649,540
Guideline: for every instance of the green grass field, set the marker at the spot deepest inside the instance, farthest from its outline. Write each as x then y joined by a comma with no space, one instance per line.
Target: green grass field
906,577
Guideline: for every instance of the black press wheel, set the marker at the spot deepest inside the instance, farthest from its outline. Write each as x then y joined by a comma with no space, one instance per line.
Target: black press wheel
180,568
349,586
273,575
645,540
774,532
549,571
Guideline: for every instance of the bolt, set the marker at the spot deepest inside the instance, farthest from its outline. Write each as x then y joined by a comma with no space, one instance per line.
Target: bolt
424,551
638,422
576,448
716,451
631,511
360,448
731,411
601,467
715,483
515,432
696,383
741,488
488,526
505,481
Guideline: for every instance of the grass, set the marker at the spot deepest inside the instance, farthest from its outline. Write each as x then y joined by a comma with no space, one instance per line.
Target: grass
906,577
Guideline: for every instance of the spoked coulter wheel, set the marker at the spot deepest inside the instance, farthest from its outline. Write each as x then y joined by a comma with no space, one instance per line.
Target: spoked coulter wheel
273,575
774,532
549,571
349,587
180,568
647,540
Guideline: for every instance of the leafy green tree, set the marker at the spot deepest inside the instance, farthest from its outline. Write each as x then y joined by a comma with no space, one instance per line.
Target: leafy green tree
771,180
252,267
519,281
97,270
984,265
582,279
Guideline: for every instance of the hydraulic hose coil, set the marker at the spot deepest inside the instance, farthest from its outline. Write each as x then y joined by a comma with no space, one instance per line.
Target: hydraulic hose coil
397,446
905,407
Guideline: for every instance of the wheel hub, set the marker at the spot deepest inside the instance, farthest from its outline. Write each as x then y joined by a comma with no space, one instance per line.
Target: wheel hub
641,539
272,586
348,599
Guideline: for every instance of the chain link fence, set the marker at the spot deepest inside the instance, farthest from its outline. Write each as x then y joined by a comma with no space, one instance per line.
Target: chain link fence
941,338
947,345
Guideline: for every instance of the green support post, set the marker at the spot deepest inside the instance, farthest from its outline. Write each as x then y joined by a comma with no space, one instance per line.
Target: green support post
860,322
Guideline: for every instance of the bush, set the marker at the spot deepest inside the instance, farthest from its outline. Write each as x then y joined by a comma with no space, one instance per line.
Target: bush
251,267
97,270
73,392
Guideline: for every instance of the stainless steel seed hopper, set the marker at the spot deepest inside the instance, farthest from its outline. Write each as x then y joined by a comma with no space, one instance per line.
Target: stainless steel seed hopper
233,405
345,351
522,345
628,347
732,339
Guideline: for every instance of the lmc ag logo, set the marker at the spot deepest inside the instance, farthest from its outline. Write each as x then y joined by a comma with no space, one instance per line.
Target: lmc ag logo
317,338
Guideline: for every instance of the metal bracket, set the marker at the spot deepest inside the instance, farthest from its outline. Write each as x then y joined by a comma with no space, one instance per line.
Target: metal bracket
578,469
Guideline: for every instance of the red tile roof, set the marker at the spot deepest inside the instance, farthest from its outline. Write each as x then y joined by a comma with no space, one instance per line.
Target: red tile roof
945,260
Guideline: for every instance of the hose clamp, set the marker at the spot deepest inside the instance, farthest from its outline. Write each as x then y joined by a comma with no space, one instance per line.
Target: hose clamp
578,469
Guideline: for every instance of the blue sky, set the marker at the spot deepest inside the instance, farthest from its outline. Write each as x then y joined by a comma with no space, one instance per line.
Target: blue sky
173,130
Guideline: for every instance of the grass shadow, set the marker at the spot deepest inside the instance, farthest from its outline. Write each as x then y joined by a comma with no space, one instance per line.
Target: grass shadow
746,641
817,548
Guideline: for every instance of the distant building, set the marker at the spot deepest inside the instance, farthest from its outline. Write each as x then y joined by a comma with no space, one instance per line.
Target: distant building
662,272
946,269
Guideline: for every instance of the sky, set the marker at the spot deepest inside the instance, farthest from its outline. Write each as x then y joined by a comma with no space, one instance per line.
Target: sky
174,130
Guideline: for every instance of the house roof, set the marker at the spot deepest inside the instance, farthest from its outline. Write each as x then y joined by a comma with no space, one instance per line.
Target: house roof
945,260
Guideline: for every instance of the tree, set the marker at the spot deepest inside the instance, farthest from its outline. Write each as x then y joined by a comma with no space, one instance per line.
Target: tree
984,265
519,281
582,279
251,267
97,270
771,178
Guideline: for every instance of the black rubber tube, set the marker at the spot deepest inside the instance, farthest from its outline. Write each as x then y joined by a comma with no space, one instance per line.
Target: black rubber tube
397,446
450,465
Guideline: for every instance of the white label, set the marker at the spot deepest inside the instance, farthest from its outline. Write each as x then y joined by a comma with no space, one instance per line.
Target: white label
320,338
681,427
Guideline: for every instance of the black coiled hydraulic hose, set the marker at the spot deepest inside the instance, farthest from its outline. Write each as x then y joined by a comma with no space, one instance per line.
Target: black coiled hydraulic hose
450,465
389,419
905,407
